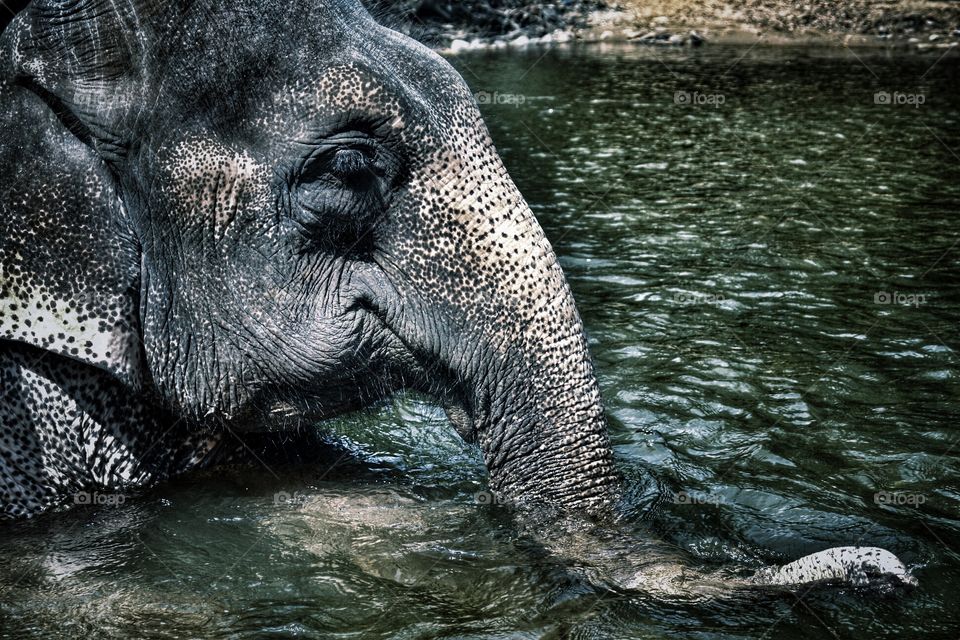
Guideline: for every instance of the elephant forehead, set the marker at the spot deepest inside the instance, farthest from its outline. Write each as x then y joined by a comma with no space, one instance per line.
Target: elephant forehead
396,81
335,96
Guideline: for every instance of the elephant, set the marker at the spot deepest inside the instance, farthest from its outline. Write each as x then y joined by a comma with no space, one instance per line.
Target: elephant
224,218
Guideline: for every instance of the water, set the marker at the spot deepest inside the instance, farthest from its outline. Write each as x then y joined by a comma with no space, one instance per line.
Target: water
771,289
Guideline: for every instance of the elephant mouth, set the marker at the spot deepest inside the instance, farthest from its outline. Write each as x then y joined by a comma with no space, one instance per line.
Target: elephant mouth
400,366
289,415
425,373
460,418
292,415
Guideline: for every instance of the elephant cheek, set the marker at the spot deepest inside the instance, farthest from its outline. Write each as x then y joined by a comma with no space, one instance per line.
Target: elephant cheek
212,188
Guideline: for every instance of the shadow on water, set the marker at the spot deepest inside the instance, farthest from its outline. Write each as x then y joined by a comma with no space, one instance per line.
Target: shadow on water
765,254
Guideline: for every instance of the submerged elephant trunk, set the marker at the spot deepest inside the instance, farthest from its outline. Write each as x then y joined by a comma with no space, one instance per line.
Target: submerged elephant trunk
480,301
856,566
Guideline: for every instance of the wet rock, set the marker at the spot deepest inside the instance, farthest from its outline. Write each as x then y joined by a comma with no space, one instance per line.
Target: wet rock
652,37
648,37
692,38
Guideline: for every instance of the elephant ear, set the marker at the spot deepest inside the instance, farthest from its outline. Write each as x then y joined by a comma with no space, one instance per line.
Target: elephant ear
69,261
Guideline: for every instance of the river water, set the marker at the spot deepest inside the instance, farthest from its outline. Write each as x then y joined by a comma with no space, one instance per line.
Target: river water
763,243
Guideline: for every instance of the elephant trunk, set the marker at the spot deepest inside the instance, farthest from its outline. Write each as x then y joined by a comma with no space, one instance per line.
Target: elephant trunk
490,316
474,293
532,399
541,426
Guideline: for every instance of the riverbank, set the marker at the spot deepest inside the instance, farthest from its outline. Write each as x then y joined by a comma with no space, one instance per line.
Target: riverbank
899,23
472,24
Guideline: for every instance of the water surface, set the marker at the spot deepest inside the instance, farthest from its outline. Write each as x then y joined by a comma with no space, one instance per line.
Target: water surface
765,255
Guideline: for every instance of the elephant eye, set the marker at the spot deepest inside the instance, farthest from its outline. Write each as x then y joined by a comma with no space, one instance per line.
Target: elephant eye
341,189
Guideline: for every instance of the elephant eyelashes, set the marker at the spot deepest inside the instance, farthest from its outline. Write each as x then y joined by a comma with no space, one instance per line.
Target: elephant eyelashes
349,164
354,167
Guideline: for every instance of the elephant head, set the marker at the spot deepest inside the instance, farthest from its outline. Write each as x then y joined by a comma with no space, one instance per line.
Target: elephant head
266,216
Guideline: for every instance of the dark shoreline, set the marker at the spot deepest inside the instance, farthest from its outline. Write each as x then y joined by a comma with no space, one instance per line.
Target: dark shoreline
456,26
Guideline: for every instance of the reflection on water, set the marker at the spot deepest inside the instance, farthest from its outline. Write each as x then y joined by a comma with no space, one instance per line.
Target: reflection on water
766,259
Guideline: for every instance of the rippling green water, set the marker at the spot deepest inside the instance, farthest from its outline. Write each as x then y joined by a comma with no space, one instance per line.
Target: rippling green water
769,276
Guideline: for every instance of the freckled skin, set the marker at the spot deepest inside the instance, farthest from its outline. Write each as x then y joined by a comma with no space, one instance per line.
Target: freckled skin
221,218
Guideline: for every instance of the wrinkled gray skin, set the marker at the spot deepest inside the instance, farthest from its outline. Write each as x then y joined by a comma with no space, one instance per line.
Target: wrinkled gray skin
221,217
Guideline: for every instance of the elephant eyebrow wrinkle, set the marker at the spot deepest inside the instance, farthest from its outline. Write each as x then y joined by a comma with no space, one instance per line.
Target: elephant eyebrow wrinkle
378,125
352,128
67,119
109,149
